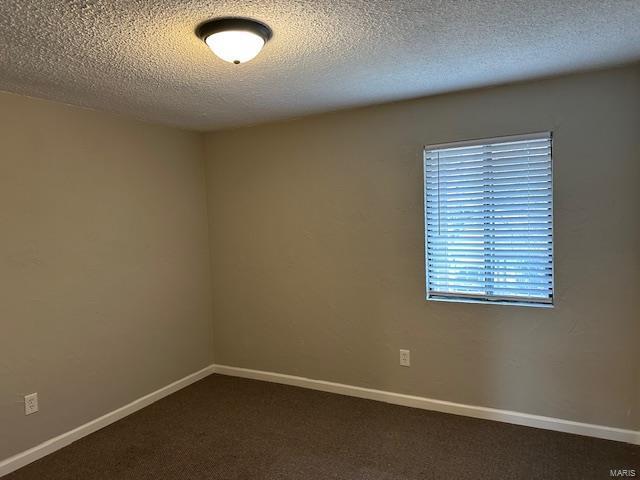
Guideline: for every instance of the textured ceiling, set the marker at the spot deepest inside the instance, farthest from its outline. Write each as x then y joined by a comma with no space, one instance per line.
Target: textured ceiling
141,58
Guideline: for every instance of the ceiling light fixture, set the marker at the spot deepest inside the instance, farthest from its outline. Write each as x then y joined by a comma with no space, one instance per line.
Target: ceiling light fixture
235,40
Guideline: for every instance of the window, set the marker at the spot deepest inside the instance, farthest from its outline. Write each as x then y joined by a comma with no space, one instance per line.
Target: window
489,220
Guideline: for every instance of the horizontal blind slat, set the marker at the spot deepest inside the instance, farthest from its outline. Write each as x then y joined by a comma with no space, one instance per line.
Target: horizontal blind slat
481,280
506,292
531,275
495,187
482,286
488,149
494,201
474,194
488,171
482,162
496,179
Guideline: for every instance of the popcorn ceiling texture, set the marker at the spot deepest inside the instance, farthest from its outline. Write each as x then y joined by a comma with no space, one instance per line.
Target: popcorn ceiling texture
142,58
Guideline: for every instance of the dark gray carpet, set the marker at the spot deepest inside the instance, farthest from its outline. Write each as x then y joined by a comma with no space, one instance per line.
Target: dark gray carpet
230,428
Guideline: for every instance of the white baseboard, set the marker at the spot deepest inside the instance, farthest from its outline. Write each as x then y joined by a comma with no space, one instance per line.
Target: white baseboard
21,459
518,418
549,423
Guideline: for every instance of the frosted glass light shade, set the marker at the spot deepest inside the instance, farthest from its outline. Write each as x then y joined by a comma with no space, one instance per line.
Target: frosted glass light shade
235,46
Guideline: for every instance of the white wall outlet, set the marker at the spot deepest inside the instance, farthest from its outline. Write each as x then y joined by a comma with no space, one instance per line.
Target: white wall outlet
30,403
405,358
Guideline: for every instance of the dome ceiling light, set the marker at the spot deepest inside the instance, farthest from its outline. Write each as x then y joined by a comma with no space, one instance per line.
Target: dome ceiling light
234,40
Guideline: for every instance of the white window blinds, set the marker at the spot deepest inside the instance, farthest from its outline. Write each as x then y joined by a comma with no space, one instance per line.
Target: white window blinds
489,220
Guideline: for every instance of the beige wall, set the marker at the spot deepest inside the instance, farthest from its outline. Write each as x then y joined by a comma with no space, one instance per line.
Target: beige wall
317,251
104,264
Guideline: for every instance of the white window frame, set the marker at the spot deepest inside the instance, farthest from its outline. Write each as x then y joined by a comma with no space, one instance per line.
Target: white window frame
475,298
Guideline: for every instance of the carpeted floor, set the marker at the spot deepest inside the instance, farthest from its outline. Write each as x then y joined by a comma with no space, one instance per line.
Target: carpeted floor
230,428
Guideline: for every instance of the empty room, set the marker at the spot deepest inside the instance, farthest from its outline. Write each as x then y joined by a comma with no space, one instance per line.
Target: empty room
311,240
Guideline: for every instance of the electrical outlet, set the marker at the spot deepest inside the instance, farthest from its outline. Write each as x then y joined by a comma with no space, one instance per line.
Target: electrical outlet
405,358
30,403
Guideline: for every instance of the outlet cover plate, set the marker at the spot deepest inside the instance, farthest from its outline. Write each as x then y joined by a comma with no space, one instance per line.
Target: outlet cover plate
30,403
405,358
